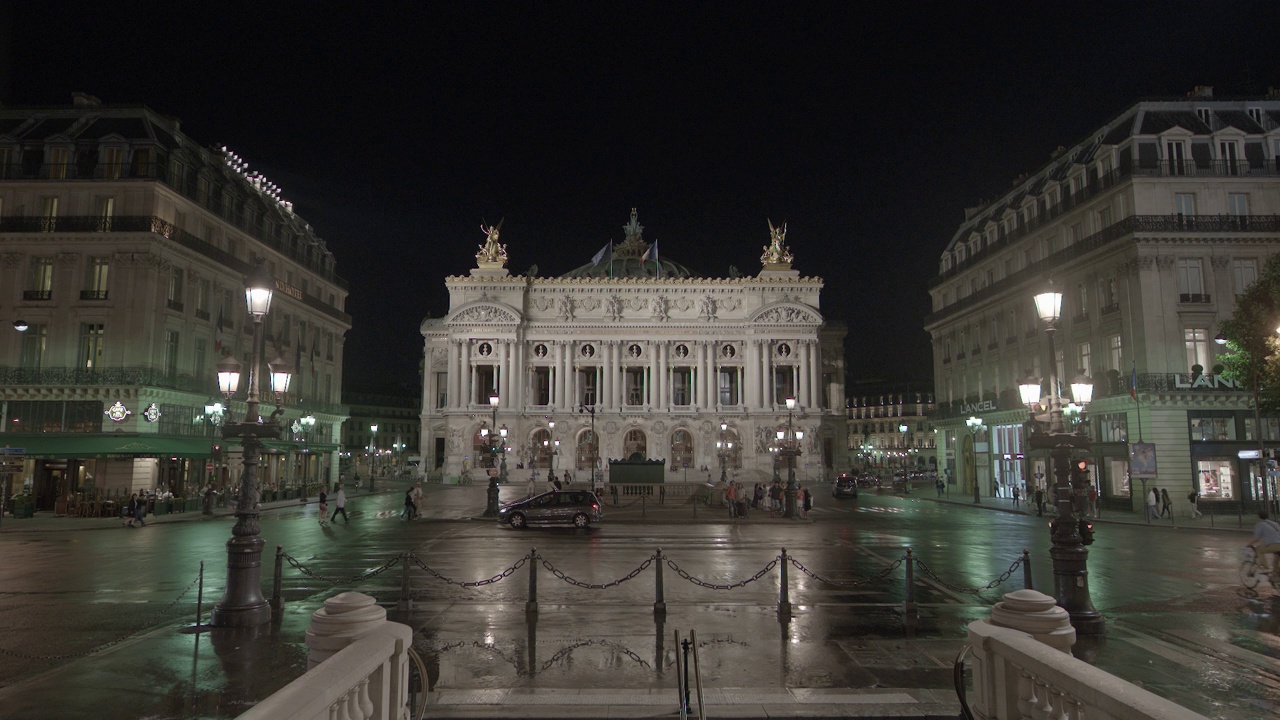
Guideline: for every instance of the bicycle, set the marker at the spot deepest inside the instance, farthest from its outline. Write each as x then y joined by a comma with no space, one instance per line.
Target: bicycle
1251,571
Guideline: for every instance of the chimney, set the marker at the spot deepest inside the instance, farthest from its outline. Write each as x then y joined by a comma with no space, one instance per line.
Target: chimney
79,99
1201,91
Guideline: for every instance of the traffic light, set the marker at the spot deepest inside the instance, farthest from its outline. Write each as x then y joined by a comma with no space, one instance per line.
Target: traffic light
1086,531
1080,474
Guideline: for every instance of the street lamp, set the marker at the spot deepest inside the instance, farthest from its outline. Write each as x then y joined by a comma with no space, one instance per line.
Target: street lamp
551,433
595,442
975,425
497,446
242,603
1070,557
789,446
724,449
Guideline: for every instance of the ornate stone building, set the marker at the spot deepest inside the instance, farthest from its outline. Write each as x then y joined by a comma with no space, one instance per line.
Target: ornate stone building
643,352
124,246
1152,227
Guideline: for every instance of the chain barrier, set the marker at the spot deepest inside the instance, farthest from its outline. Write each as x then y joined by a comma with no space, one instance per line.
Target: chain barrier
562,652
763,571
882,574
924,569
98,648
470,583
616,506
341,581
598,586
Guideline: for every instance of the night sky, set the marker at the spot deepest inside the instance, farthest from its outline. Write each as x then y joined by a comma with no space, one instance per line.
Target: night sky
396,129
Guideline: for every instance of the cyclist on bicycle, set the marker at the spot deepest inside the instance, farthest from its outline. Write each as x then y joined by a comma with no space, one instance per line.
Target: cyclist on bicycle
1266,538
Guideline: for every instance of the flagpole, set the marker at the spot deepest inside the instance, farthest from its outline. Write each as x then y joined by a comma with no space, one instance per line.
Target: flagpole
1135,398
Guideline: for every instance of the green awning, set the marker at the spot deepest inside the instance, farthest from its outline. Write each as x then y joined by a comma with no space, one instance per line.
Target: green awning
298,446
48,446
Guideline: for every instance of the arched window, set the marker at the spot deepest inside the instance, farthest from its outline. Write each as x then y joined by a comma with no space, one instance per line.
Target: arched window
634,442
681,449
541,448
586,450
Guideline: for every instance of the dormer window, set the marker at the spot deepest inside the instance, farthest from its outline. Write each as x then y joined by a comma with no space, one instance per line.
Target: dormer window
1205,116
59,159
1255,113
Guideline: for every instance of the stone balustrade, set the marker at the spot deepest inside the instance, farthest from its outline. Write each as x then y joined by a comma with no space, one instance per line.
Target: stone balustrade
358,667
1023,670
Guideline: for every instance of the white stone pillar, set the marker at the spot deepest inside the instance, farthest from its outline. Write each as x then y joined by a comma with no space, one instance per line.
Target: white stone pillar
467,376
606,371
802,386
664,380
816,388
768,376
504,373
568,394
345,618
451,377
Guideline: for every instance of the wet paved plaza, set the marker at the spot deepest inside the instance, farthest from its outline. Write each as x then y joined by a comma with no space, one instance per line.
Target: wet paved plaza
1178,623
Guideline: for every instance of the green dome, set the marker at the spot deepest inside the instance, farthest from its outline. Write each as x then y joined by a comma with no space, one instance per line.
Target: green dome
629,259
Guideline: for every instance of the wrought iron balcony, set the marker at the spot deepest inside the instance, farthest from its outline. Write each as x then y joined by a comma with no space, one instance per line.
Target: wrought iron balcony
1195,298
126,376
93,294
37,295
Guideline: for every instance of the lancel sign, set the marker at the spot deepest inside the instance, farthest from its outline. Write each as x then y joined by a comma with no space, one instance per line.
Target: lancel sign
1203,382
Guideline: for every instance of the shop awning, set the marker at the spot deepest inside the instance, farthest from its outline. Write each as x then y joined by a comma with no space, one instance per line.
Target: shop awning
106,445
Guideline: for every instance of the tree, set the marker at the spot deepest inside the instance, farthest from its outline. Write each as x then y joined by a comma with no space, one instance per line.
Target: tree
1252,358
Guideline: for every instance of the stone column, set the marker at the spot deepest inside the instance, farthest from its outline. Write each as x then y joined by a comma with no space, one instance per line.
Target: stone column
504,373
767,367
802,382
664,380
467,376
606,372
816,389
453,371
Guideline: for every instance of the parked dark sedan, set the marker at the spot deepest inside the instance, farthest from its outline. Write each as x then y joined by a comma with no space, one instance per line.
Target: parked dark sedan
845,486
579,508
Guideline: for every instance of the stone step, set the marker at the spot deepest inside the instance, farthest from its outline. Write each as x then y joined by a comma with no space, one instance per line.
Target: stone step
721,703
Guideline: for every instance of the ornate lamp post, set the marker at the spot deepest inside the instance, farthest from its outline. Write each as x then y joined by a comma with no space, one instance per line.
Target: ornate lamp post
789,446
308,422
496,441
724,448
555,450
975,426
1070,557
242,603
595,442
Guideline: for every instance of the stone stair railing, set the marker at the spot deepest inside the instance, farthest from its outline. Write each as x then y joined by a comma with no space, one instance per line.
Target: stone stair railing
358,667
1023,670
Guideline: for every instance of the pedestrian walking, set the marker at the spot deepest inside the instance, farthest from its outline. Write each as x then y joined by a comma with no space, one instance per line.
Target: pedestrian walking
1093,501
941,486
1153,500
340,505
757,496
139,512
807,503
1193,497
417,500
743,501
532,486
129,509
568,478
1017,495
775,499
409,507
1039,502
731,497
324,506
1166,505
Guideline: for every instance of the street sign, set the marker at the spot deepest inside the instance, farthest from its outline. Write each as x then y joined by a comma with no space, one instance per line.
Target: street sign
12,451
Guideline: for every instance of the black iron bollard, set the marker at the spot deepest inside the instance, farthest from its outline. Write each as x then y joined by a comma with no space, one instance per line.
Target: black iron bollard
784,592
659,603
531,605
1026,570
200,596
277,605
909,606
406,601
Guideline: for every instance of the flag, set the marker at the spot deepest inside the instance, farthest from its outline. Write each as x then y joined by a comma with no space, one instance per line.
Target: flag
217,333
1133,382
606,253
652,254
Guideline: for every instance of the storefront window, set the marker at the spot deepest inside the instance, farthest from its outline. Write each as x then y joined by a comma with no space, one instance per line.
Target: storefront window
1216,478
1270,429
1212,428
1118,477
